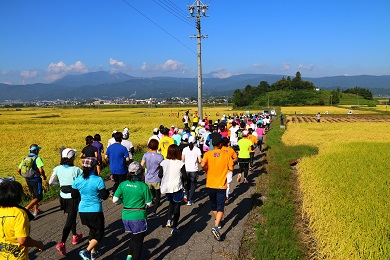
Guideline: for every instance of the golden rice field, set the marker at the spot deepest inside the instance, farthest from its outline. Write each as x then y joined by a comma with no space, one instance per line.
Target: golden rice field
305,110
53,128
346,187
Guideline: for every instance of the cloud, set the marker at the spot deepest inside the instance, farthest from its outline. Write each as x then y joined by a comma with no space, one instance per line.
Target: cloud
168,66
116,63
259,65
29,74
220,73
309,67
59,70
286,66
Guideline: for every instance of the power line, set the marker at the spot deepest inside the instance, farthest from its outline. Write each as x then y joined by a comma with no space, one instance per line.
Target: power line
177,8
173,12
159,26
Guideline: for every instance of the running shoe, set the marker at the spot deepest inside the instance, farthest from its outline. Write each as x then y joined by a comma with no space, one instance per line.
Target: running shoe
239,177
216,234
95,255
185,199
77,239
189,203
175,231
129,257
36,213
85,254
169,223
245,181
154,216
60,247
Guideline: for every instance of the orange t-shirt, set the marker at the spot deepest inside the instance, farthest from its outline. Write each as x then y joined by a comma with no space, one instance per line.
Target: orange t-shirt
253,140
230,151
218,163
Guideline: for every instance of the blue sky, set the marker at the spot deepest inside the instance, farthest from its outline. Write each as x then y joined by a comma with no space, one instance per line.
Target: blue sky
44,40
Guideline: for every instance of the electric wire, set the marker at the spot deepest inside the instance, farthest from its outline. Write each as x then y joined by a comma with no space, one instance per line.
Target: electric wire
175,7
159,26
174,13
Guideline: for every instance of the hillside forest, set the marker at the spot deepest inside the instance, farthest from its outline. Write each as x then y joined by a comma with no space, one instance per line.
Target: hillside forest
293,92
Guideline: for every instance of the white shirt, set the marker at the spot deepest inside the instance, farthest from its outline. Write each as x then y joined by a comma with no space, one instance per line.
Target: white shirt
171,180
128,144
191,158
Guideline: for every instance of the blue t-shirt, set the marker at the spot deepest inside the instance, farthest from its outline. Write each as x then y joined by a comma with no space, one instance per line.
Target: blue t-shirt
117,154
152,161
89,191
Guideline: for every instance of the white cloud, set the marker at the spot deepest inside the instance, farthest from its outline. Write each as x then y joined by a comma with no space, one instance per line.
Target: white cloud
59,70
168,66
29,74
116,63
220,73
309,67
256,65
286,66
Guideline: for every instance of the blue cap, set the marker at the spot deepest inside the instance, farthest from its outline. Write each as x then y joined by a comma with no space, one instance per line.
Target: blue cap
35,147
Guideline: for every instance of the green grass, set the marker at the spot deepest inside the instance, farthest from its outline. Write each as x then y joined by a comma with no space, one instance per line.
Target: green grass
276,237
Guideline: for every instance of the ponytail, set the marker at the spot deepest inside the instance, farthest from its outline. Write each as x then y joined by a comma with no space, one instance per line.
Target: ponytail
191,146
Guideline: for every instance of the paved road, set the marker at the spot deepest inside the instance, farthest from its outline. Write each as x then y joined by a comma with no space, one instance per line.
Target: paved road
194,242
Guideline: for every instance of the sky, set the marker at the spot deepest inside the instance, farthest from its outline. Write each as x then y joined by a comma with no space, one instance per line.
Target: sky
42,41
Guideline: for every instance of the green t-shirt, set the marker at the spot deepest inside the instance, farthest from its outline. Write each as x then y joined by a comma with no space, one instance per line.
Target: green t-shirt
245,146
134,195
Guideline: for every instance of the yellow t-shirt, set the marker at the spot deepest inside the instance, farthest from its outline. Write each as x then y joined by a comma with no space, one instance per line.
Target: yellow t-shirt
245,147
14,223
195,119
218,163
163,145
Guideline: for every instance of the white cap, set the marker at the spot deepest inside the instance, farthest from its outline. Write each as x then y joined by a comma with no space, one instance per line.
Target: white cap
192,127
191,139
155,130
68,153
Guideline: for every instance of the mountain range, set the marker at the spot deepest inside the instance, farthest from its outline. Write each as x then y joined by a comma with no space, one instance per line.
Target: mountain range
105,85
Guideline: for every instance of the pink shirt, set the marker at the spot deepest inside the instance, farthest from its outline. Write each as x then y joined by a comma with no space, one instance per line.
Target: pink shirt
260,131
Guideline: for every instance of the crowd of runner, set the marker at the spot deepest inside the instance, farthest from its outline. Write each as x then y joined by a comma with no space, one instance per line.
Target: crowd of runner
171,166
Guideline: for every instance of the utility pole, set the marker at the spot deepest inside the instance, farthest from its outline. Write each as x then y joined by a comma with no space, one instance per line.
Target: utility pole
198,10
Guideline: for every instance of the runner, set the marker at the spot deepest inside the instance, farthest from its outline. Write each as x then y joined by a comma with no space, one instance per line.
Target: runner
191,157
92,190
245,145
165,142
152,160
34,182
15,223
172,173
135,196
66,173
99,146
217,164
232,154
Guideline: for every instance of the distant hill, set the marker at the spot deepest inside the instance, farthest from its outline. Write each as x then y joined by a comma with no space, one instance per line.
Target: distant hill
106,85
92,78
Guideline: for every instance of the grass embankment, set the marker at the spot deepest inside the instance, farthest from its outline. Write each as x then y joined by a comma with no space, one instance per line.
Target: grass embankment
276,237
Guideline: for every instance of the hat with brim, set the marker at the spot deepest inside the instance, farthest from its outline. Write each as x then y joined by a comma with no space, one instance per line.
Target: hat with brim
68,153
35,147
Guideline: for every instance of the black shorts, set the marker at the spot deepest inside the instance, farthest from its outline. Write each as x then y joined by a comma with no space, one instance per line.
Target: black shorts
95,222
36,189
69,205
